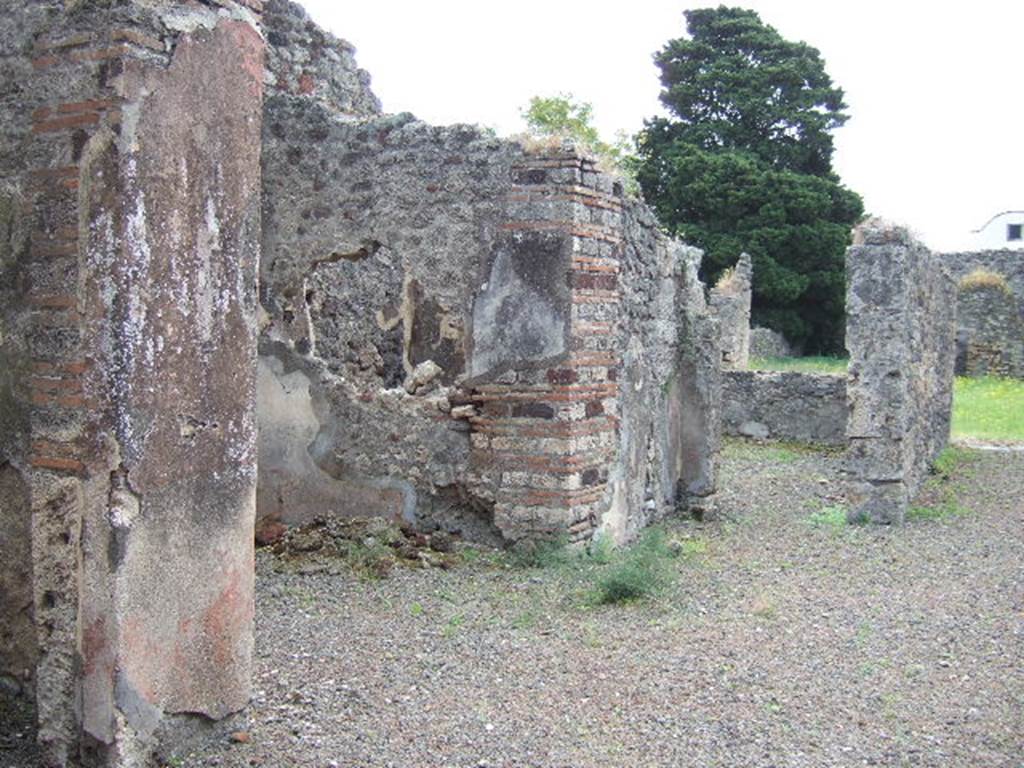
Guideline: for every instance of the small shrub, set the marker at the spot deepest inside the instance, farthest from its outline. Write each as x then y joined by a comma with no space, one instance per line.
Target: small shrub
640,573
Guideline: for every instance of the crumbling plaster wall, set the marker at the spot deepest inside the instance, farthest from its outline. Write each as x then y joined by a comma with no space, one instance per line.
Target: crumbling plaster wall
372,237
669,386
429,329
730,304
18,642
134,265
901,320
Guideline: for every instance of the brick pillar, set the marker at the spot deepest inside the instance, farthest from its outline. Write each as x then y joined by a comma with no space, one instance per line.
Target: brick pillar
144,209
547,416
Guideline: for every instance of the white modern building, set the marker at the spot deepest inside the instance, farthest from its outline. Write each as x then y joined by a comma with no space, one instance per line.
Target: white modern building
1004,230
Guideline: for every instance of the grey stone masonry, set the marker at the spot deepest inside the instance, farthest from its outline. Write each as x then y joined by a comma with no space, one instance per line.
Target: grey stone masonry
730,304
901,315
772,405
764,342
990,312
990,327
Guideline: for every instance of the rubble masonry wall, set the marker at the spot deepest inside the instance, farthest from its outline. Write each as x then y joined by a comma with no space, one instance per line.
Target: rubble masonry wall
730,304
448,322
800,407
901,320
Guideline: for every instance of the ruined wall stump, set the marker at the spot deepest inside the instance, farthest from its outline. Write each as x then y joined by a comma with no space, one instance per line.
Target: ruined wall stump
901,315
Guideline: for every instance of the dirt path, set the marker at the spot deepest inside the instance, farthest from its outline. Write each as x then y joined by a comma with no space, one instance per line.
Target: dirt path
786,639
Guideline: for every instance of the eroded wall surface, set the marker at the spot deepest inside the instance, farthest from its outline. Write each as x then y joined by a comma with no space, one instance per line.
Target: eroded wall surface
770,405
990,330
730,304
990,313
137,184
18,643
448,322
901,321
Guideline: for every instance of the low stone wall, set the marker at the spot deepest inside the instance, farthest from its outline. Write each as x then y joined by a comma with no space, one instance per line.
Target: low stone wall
900,329
803,407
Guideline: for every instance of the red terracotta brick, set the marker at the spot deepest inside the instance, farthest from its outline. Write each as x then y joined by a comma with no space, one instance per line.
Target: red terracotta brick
56,463
70,121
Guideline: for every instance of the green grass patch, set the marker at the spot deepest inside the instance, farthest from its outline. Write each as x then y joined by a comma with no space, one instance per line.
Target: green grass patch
943,510
604,574
938,497
829,517
775,452
836,365
988,408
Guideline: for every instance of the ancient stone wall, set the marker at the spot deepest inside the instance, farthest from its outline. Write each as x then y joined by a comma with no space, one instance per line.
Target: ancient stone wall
442,332
901,316
764,342
18,642
611,420
445,324
131,190
990,315
730,304
373,233
769,405
1008,263
990,327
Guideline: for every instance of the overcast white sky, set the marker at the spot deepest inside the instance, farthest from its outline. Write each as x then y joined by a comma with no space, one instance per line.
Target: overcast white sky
935,90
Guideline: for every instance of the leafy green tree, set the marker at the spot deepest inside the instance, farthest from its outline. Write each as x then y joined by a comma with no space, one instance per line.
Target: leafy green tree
563,116
745,164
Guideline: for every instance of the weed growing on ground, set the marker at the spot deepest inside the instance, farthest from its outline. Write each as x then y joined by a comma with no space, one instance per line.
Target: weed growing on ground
373,561
776,452
938,498
941,511
640,571
953,460
829,517
548,553
453,625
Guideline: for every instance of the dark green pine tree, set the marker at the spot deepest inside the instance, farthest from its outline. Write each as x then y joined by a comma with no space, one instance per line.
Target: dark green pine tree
745,164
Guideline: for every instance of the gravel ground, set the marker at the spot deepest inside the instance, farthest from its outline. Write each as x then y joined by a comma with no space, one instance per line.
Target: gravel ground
785,639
